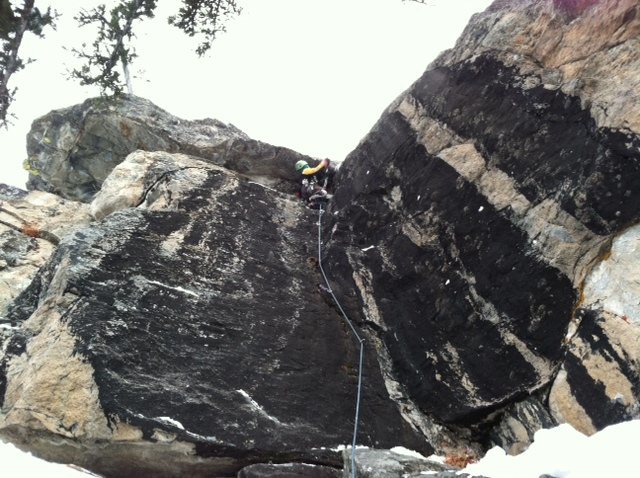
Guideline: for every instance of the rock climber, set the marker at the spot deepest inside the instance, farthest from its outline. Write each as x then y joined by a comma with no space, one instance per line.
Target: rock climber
316,181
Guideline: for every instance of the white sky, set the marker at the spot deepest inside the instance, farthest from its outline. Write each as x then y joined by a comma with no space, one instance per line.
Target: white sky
311,75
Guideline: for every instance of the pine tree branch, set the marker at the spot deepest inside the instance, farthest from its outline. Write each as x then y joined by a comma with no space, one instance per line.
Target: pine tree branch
11,62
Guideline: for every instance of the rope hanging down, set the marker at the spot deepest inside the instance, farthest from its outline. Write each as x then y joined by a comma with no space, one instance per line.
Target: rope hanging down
356,336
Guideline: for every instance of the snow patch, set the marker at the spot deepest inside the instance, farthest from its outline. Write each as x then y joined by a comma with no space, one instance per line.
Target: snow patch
170,421
406,452
347,447
436,458
17,463
210,439
563,452
178,288
256,406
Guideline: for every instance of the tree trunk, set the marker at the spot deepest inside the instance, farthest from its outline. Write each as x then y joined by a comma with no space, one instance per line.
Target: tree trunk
11,60
127,77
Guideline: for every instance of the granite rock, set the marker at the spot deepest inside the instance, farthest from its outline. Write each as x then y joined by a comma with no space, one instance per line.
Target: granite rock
482,237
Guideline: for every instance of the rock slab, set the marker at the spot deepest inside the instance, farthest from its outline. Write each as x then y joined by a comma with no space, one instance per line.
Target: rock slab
468,219
187,335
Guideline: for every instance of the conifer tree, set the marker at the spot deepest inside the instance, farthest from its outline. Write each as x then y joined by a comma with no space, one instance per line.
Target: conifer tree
106,62
16,19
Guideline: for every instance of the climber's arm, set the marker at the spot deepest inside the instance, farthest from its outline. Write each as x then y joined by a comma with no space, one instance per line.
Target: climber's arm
309,171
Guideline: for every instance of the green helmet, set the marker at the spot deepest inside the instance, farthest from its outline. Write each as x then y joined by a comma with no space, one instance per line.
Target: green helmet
300,165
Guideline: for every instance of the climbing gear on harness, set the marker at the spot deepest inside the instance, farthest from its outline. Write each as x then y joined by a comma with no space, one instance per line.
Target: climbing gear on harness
301,165
313,193
360,340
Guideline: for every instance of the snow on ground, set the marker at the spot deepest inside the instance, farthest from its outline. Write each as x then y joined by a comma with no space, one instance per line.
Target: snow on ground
15,463
563,452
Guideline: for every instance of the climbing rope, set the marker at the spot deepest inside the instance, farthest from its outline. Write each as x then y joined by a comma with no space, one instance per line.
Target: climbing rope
356,336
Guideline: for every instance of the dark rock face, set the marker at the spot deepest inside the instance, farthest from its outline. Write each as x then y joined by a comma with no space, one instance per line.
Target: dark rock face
467,220
542,138
203,327
447,304
72,151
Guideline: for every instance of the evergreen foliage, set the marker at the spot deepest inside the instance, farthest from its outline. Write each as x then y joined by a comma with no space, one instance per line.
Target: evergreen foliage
113,46
204,18
16,19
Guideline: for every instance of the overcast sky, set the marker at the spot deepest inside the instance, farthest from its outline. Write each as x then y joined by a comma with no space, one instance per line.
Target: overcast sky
311,75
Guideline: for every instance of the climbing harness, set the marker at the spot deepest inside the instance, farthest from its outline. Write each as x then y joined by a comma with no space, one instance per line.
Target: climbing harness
355,335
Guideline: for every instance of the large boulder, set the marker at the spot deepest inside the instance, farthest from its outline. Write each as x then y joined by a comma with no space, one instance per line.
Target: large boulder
469,217
482,237
187,336
71,151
